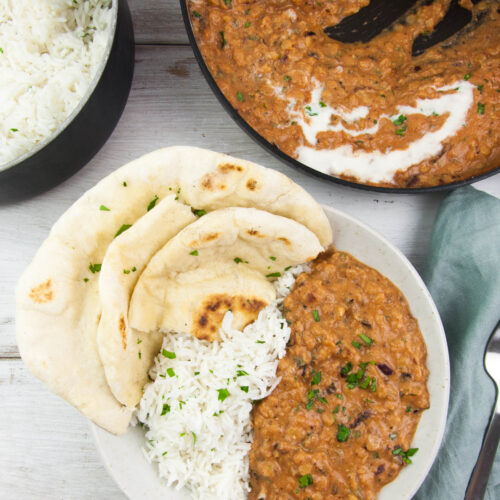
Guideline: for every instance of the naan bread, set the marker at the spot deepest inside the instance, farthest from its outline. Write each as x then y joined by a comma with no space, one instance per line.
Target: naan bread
127,355
219,262
58,307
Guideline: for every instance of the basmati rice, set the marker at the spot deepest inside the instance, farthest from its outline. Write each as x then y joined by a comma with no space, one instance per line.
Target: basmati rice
197,410
49,53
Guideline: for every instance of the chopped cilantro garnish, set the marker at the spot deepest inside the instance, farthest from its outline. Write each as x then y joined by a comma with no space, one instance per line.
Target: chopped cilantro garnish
287,78
238,260
124,184
315,315
194,252
168,354
244,388
85,279
170,372
247,24
123,228
273,275
196,14
310,112
134,269
305,480
14,130
480,88
322,104
196,373
336,409
139,354
346,368
195,438
401,131
408,409
405,455
272,257
139,341
240,96
343,433
104,208
399,120
165,409
357,345
94,268
316,378
199,212
126,271
480,108
467,76
367,340
241,373
152,203
260,342
223,394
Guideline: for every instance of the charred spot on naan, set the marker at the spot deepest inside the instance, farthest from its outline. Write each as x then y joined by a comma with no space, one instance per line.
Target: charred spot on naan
226,168
210,182
251,184
122,328
208,317
254,232
42,293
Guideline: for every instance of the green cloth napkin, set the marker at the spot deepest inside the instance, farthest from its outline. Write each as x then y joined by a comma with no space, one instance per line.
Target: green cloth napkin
463,277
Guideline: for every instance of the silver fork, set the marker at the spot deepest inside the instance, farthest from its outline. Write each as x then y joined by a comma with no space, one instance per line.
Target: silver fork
479,479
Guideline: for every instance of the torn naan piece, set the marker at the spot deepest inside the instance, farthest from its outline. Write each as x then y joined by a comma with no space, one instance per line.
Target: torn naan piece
222,262
125,354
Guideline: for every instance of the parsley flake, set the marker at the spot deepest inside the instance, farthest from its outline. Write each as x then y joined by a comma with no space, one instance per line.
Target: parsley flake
104,208
343,433
223,394
94,268
199,212
122,229
168,354
273,275
305,480
152,203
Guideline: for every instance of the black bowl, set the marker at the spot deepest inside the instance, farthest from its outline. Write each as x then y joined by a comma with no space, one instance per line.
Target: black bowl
292,161
88,127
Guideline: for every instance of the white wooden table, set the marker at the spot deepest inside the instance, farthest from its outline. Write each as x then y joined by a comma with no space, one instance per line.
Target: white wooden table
46,450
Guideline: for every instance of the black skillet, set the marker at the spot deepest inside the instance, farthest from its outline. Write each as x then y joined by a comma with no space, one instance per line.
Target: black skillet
86,130
362,26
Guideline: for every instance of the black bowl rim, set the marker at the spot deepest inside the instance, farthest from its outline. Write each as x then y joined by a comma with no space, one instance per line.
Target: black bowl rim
83,101
292,161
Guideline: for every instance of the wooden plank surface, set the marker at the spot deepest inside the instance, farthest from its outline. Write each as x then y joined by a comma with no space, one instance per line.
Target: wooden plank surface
46,450
158,22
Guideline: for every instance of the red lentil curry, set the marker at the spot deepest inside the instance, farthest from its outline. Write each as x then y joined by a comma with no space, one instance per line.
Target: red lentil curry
362,111
353,385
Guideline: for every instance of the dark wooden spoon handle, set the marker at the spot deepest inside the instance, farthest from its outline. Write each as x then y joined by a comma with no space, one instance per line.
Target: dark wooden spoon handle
369,21
455,19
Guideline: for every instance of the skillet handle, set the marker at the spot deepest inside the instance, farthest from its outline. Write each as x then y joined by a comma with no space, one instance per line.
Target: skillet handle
479,479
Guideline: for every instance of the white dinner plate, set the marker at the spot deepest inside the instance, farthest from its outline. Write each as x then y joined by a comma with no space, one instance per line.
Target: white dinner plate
138,479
